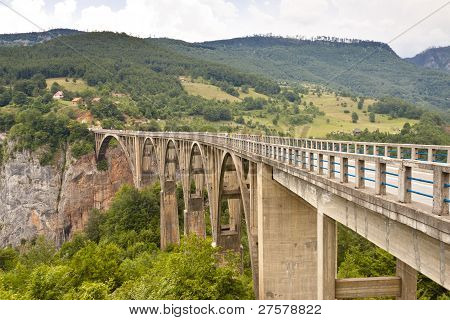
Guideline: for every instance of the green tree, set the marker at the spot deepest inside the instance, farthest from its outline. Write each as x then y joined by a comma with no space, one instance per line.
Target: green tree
355,117
372,117
360,103
19,98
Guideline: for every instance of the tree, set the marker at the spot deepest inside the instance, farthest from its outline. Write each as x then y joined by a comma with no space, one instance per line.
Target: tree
360,103
5,98
20,98
372,117
55,88
355,117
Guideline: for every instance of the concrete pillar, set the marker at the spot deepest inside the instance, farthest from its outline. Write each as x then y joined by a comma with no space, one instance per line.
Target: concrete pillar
137,162
409,281
287,241
326,257
170,229
194,217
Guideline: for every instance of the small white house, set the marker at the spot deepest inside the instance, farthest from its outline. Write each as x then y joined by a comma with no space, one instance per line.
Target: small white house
58,95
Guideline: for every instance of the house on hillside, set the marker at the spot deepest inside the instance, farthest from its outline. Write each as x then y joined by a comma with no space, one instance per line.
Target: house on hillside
77,101
96,100
58,95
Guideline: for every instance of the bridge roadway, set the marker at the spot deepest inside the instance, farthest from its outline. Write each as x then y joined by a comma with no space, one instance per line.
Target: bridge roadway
291,193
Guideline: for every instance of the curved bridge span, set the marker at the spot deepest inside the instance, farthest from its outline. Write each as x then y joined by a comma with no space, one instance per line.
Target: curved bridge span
291,192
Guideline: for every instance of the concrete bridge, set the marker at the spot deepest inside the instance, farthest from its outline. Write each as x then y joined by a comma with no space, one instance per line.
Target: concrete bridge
291,193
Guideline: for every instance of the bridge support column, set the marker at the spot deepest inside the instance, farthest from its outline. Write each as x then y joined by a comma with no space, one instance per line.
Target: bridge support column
170,233
194,217
287,240
408,276
326,257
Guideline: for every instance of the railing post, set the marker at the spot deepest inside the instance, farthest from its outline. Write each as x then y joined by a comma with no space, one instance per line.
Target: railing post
344,170
331,167
413,153
430,155
440,192
380,177
359,173
303,159
320,163
404,184
311,161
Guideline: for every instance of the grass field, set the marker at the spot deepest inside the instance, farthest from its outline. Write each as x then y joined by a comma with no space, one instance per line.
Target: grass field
79,85
208,91
334,119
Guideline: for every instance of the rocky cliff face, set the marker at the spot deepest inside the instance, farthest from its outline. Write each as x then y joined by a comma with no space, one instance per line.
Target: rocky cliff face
56,200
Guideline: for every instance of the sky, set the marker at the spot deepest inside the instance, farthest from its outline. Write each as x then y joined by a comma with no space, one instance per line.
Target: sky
202,20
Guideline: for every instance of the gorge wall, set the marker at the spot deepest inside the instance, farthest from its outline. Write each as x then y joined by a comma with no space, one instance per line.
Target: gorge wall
55,200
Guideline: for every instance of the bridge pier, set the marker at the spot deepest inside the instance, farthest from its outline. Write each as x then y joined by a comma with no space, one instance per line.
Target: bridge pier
408,276
326,257
194,217
170,233
287,237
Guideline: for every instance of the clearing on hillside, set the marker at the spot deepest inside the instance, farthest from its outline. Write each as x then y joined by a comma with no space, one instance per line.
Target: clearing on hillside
70,85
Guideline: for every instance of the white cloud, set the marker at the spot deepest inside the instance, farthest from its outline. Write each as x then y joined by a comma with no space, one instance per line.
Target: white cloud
198,20
304,11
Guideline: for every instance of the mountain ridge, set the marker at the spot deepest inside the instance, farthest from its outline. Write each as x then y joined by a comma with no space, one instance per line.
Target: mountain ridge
364,68
32,38
433,58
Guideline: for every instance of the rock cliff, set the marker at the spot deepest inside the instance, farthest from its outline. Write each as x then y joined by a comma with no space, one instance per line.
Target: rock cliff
55,200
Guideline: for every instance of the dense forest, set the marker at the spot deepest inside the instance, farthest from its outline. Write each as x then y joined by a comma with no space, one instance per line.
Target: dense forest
118,257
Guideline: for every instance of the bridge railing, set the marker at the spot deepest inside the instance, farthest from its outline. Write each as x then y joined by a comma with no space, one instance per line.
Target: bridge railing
430,153
398,179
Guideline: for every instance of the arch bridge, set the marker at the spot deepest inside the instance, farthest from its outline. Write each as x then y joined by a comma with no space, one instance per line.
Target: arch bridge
291,193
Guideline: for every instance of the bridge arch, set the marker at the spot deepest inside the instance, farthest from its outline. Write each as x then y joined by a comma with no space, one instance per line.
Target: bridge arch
150,162
197,183
103,147
231,208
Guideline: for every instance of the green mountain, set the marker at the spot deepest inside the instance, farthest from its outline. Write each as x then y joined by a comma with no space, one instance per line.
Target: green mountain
434,58
31,38
358,67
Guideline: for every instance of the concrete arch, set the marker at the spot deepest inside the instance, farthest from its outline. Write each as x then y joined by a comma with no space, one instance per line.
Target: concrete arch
103,146
149,162
231,189
195,211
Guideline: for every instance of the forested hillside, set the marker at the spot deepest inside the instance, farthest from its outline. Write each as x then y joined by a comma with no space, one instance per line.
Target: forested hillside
31,38
434,58
376,70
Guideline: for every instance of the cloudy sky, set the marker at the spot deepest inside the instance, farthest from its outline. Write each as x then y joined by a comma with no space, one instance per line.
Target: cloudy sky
200,20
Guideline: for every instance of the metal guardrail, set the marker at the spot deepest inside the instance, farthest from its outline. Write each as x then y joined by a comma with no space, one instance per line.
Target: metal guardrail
320,157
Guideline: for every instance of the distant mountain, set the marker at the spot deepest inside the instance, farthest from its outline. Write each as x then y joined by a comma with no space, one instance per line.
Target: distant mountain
358,67
31,38
434,58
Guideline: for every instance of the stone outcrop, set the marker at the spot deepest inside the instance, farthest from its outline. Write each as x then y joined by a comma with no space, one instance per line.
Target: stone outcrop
55,200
